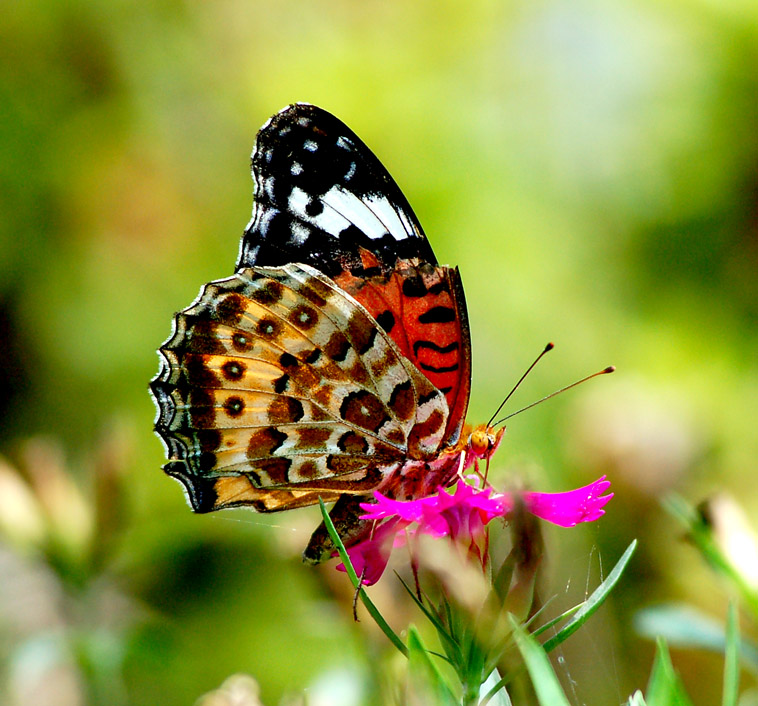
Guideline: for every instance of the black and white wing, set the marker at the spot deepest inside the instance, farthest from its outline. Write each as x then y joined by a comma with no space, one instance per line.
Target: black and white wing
321,195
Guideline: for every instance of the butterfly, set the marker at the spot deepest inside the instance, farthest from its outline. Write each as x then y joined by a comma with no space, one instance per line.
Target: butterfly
336,361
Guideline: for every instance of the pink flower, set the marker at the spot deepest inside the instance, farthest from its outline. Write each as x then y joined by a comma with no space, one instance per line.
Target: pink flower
570,508
440,514
369,557
463,517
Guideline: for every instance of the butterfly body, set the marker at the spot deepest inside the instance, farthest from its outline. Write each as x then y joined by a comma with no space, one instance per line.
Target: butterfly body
336,360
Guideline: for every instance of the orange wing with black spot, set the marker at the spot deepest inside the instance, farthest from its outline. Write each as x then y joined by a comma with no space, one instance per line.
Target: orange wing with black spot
423,309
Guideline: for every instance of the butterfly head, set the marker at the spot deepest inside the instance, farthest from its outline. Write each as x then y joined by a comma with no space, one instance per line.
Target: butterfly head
484,440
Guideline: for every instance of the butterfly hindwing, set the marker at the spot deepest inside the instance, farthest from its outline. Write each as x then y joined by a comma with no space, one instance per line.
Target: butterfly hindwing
207,494
278,376
321,195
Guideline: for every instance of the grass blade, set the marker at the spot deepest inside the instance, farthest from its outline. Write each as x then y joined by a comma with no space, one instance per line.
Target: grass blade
684,626
370,607
665,687
593,602
426,681
544,680
732,658
550,623
449,644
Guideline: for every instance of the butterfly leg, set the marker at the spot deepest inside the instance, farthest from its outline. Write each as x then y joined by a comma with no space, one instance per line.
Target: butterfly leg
462,465
345,515
478,473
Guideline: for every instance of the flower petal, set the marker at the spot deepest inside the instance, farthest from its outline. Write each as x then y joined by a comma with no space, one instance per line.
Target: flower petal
384,508
462,516
572,507
369,557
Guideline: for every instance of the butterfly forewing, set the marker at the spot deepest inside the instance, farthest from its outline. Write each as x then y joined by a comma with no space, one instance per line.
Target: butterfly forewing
423,310
321,194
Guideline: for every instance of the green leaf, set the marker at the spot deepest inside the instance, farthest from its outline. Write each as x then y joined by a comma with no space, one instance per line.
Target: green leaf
550,623
474,669
426,681
687,627
732,658
593,602
370,607
544,680
449,644
665,687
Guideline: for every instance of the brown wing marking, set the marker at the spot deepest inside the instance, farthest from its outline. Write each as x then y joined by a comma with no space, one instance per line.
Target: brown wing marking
423,309
210,494
278,377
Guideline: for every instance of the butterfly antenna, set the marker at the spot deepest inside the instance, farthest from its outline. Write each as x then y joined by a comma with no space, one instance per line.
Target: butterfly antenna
548,347
605,371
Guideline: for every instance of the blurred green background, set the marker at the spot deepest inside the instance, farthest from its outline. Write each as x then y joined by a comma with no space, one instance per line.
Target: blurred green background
592,167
